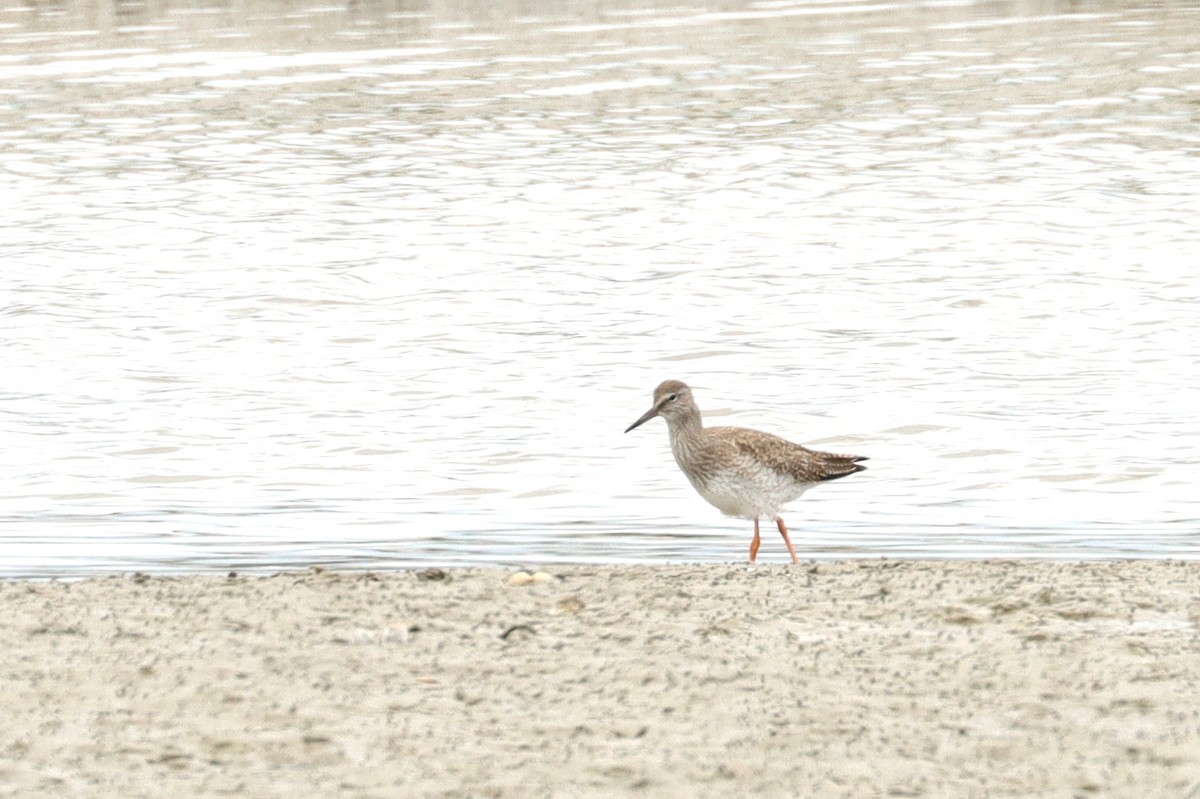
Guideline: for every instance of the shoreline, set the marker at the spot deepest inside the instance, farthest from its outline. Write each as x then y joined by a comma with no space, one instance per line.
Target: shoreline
835,678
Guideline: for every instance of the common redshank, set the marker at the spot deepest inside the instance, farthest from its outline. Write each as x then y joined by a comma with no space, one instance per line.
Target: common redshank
743,473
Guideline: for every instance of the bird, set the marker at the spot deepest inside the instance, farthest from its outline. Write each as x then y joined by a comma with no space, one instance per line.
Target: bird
743,473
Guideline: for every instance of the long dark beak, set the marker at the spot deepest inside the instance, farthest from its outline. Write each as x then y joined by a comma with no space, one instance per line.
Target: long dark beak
647,416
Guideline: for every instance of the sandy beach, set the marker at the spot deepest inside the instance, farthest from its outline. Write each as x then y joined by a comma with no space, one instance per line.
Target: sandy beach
839,679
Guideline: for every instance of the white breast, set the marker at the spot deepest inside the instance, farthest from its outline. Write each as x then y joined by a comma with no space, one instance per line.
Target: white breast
750,491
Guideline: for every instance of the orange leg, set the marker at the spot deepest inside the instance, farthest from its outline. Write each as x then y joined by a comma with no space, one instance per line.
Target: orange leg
786,540
754,544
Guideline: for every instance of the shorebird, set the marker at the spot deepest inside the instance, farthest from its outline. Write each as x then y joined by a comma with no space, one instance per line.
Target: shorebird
743,473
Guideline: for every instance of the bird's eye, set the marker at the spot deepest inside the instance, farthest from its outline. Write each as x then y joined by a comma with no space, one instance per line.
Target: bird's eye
672,397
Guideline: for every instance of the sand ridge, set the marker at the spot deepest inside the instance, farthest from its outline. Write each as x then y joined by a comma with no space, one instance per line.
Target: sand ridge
835,679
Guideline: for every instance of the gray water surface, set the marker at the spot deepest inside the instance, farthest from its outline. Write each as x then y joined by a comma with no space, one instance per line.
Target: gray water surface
378,284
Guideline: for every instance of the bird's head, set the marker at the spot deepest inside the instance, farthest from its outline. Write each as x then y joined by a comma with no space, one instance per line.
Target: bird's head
672,399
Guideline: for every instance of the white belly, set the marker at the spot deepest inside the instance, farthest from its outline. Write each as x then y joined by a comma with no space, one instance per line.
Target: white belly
760,495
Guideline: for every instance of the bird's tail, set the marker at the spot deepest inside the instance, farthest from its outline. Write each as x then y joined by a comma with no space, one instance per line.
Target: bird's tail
836,466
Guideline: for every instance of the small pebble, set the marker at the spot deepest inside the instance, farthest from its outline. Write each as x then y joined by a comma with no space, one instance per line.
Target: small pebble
525,578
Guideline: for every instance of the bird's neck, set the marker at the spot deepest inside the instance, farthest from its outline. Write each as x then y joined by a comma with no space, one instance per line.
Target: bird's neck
687,433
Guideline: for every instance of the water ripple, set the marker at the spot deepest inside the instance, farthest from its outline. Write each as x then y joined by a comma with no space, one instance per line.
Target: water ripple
375,288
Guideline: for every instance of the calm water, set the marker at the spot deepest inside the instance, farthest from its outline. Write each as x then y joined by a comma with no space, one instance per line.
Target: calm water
379,284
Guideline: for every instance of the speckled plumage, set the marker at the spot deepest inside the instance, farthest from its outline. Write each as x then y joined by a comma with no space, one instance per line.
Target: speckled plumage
742,472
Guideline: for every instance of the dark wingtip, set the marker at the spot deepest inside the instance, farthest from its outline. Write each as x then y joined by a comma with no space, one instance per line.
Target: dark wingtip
845,466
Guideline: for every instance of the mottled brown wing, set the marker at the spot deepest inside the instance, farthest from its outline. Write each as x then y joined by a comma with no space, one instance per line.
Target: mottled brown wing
801,463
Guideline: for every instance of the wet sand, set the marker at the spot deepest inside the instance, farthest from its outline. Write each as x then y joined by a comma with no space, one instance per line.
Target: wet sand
843,679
